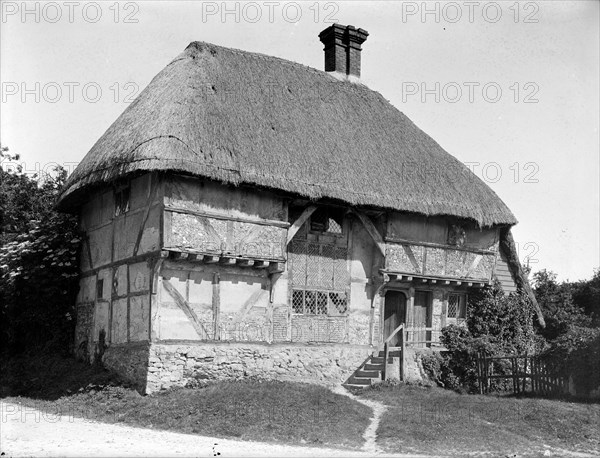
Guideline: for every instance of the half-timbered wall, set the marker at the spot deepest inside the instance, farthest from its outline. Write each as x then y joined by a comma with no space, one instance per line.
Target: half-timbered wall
116,264
175,260
221,301
440,247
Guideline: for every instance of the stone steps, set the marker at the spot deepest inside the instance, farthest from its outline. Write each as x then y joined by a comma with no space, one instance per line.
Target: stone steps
371,371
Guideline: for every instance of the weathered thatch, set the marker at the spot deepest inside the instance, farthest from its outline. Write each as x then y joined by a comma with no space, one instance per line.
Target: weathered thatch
245,118
509,248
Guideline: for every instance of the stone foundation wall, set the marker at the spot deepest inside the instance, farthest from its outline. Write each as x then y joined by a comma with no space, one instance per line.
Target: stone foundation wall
130,361
177,364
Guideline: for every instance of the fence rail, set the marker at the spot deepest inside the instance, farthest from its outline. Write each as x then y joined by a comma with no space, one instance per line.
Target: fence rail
528,373
422,336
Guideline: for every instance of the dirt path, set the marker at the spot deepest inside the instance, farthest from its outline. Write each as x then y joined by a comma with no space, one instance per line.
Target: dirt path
29,432
370,434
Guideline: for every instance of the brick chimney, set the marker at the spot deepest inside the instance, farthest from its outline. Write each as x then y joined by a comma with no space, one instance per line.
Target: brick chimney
342,48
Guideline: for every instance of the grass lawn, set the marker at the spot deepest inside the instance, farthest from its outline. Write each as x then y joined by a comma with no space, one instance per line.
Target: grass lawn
291,413
438,421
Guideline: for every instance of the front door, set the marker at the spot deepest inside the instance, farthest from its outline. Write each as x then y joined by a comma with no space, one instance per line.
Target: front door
422,318
393,316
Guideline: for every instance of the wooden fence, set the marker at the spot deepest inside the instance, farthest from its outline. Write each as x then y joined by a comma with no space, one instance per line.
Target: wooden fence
421,336
527,373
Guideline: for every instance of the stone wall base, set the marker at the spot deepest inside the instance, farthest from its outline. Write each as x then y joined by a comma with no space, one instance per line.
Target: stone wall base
179,364
130,361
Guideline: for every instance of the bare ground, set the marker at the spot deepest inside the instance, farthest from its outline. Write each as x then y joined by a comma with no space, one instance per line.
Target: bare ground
30,432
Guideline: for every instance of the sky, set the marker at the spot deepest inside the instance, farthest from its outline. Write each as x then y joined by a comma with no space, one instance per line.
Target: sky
509,88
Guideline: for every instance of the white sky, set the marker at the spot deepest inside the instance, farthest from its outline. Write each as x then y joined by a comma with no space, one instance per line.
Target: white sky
553,143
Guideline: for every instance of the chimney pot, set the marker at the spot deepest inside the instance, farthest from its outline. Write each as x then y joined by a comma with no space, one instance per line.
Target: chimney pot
342,46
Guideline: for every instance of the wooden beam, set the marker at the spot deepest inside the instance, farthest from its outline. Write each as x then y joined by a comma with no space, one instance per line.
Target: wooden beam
211,259
216,304
183,305
151,198
260,264
244,262
250,302
227,261
372,230
276,267
295,227
411,256
473,265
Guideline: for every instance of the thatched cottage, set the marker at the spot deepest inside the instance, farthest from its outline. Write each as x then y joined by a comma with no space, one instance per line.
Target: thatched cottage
251,216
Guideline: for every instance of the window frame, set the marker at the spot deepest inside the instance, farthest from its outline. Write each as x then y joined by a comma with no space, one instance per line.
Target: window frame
122,199
461,309
331,309
329,216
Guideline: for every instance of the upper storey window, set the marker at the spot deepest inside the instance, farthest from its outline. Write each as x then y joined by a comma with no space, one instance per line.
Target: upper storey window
122,199
326,220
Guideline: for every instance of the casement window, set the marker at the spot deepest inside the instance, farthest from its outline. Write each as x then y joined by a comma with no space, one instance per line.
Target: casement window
121,200
310,302
457,308
319,279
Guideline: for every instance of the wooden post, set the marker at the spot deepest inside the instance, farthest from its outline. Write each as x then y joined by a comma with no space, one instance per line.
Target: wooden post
479,372
525,374
385,358
216,303
403,360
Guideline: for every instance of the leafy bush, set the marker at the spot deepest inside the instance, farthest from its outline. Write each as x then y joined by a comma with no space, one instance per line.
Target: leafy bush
576,353
38,265
496,324
557,304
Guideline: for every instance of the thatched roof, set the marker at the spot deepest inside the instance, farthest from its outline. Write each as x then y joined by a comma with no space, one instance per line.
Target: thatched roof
246,118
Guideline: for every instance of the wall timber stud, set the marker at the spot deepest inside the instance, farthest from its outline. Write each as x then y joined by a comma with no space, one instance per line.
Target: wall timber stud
473,265
128,306
372,230
216,303
411,257
151,197
295,227
86,245
272,282
183,305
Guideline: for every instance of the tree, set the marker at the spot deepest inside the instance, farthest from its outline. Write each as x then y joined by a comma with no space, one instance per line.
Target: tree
38,264
586,294
559,309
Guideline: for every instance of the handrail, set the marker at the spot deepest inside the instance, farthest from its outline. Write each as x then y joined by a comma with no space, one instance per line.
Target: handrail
386,351
394,333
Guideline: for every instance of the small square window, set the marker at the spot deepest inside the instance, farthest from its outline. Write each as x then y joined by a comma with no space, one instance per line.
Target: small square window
100,289
457,307
326,220
121,200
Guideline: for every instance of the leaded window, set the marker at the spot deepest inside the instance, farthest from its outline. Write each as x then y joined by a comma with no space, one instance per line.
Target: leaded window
457,308
318,278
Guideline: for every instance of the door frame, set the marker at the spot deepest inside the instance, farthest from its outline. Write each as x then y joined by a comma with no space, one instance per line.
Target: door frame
407,304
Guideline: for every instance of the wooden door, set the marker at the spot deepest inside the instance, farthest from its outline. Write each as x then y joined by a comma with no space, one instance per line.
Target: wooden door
393,316
421,318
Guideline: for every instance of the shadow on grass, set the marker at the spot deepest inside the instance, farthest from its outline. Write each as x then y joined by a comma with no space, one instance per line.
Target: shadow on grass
51,376
434,420
250,409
